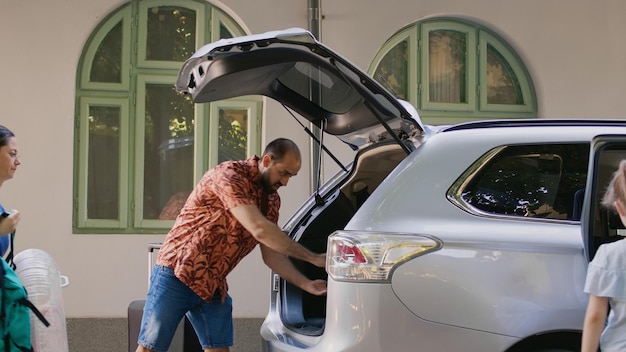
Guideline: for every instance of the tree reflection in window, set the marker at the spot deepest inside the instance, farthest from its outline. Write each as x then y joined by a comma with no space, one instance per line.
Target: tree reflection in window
502,84
107,63
175,26
392,71
233,134
531,181
168,147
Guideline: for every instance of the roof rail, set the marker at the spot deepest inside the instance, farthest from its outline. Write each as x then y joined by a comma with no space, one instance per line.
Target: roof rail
533,122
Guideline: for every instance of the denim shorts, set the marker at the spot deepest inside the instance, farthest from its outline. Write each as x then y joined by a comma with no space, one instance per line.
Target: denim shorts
168,300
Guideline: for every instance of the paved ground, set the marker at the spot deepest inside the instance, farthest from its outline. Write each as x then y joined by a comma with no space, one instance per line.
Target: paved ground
111,335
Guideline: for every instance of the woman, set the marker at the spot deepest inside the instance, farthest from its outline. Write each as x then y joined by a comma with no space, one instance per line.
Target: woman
606,281
9,162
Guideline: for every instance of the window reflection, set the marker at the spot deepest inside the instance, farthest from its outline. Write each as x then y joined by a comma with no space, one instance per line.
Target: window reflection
531,181
224,32
392,72
168,151
171,33
104,162
107,62
502,84
232,134
447,66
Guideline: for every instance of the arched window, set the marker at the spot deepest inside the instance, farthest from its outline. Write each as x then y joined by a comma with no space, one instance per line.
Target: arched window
140,146
455,70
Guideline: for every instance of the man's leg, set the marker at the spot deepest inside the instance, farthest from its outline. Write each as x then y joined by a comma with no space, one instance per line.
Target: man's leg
213,323
167,302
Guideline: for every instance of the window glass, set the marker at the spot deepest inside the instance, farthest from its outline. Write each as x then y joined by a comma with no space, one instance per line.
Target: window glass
104,162
392,71
141,147
447,66
502,84
606,225
168,150
542,181
233,134
336,95
107,63
455,70
224,32
171,33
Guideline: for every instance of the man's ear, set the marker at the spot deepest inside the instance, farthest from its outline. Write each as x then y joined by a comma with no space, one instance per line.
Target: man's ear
266,160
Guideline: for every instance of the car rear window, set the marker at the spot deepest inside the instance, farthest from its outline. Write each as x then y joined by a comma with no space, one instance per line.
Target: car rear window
540,181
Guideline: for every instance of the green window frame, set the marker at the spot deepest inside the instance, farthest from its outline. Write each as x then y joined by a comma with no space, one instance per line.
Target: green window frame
483,76
140,147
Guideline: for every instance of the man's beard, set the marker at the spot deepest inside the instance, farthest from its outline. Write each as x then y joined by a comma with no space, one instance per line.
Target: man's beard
265,183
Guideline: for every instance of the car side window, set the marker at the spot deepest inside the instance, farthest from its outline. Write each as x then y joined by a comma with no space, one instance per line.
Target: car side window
605,224
540,181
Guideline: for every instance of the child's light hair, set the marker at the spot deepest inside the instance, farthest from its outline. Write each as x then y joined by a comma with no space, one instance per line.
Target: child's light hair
616,192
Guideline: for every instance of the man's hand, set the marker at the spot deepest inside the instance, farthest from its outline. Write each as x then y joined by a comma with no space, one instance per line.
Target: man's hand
315,287
319,260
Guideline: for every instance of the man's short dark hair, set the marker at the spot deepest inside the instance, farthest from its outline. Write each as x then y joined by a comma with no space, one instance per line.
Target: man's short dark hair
277,148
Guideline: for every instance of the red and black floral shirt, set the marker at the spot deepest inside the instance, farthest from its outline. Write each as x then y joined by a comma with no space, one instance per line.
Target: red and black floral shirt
207,241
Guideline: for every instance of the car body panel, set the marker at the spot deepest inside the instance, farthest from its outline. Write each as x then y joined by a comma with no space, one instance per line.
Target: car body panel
370,318
500,287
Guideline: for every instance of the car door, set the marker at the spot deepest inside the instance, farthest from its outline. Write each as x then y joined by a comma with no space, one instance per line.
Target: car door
599,224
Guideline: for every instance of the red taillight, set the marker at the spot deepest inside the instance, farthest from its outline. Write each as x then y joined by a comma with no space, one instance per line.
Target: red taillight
350,254
371,256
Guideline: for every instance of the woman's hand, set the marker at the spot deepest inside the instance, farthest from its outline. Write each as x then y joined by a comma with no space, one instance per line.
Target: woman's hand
9,224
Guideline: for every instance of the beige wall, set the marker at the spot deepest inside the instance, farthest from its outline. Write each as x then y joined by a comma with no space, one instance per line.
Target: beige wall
572,48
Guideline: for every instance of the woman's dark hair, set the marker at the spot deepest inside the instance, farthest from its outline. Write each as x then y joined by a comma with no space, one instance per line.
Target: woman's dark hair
279,147
5,134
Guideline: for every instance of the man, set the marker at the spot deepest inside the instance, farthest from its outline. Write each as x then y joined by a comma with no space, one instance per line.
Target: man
233,207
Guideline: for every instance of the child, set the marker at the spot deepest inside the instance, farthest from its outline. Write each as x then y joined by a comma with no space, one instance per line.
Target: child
606,281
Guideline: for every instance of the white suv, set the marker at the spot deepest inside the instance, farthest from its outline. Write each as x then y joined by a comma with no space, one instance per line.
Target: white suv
472,237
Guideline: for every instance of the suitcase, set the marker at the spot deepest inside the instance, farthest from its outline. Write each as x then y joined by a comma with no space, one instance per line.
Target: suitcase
185,338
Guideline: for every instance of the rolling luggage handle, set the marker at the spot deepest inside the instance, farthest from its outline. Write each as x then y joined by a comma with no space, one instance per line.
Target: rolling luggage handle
152,248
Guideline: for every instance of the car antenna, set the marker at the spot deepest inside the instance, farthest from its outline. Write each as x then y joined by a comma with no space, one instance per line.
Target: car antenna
308,131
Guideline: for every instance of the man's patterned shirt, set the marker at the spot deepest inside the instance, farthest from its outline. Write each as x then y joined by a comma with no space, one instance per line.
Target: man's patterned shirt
207,241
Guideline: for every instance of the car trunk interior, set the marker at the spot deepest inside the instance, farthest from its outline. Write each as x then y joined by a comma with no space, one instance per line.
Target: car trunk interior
301,311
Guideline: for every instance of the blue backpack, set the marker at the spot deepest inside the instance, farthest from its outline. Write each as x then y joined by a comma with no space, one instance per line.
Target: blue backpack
14,309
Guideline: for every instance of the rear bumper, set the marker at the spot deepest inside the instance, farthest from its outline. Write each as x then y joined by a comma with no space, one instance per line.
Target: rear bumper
355,325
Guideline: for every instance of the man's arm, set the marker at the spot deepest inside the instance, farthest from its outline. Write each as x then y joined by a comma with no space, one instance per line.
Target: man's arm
281,264
270,235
